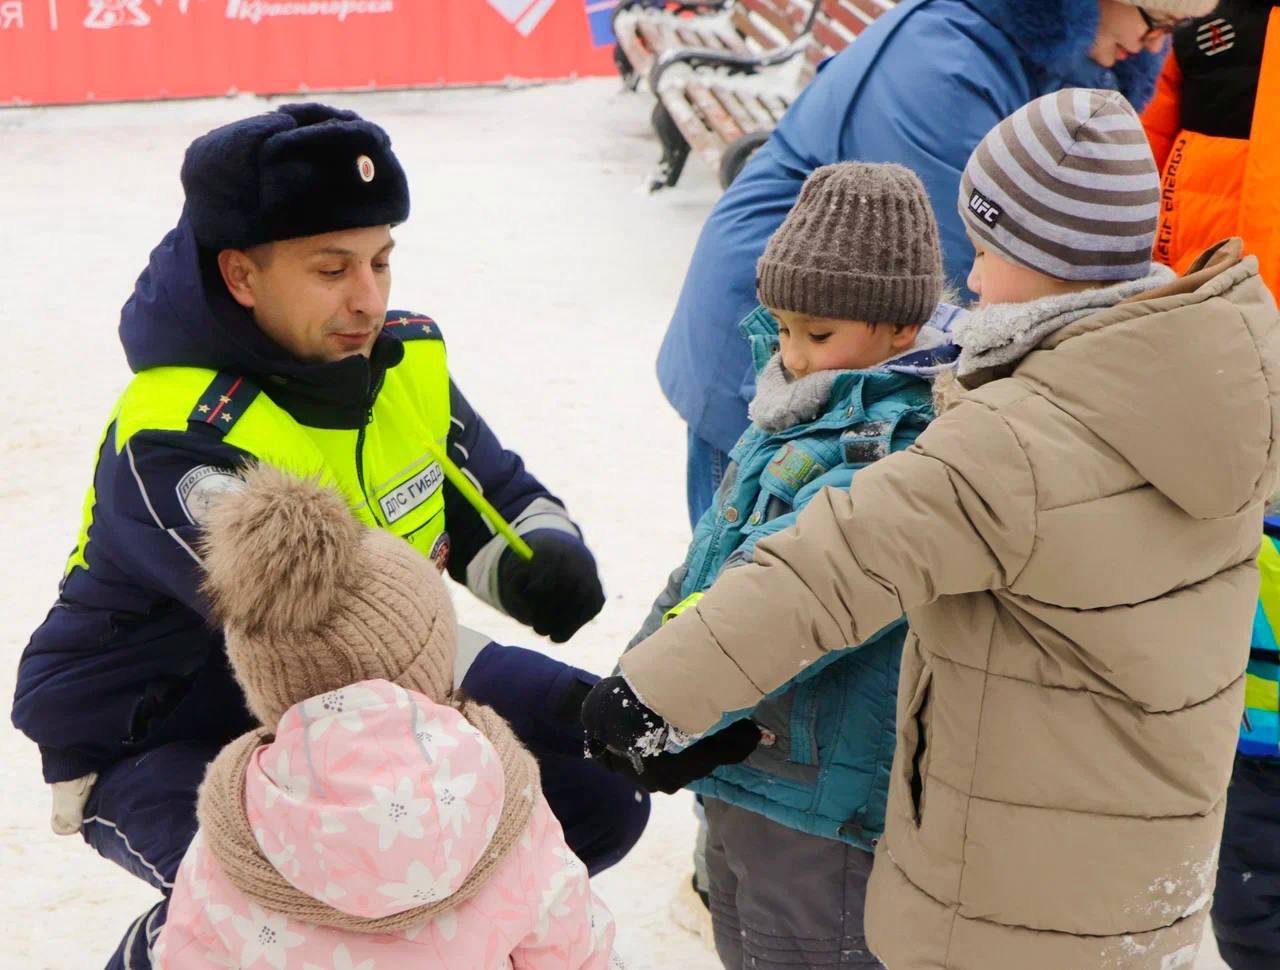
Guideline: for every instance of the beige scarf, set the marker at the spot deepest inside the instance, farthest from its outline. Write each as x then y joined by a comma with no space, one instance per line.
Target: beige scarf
227,831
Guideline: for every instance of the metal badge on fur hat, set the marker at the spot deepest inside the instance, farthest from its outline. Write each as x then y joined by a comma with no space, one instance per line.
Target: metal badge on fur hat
312,600
301,170
1067,186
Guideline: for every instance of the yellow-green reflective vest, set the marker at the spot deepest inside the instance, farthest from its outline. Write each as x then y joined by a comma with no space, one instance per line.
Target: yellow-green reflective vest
386,470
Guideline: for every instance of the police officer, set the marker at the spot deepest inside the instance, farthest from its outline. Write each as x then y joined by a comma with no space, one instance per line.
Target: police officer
260,332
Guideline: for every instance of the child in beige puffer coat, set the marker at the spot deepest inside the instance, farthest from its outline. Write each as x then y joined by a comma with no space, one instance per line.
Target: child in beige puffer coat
1073,543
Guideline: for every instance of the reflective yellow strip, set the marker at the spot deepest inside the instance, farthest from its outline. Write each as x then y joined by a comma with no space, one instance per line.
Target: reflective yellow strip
429,356
479,502
86,511
1261,694
1269,587
680,607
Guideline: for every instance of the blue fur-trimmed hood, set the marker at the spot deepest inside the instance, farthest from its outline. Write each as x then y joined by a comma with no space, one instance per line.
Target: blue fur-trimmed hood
182,315
1057,35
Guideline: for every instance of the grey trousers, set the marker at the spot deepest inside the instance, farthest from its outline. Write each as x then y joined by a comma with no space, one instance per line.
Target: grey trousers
782,899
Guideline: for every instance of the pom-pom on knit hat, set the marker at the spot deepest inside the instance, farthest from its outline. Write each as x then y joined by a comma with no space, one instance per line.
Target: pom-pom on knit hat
313,600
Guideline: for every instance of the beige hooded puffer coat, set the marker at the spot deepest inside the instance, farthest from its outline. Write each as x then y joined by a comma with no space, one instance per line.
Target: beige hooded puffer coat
1073,545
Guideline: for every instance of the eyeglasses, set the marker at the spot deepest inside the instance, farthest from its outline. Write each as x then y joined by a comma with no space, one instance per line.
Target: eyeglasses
1161,28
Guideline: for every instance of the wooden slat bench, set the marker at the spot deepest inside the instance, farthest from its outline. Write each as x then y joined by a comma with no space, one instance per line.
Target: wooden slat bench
646,31
722,106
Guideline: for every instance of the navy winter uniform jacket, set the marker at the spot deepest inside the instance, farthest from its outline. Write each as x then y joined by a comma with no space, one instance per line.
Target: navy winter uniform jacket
127,659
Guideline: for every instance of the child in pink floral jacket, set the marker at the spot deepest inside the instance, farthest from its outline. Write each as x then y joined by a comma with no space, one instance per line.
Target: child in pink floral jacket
383,822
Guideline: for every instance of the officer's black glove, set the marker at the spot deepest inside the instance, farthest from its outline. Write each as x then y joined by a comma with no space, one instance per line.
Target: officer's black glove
615,719
669,773
557,591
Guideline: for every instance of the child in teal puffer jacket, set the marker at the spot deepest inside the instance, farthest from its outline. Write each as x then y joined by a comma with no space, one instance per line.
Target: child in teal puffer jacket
845,358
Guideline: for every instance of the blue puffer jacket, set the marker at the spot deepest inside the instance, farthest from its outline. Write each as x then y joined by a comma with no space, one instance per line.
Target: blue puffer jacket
920,87
824,765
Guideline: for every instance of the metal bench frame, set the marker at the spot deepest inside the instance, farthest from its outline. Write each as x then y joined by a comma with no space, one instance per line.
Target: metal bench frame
635,55
724,105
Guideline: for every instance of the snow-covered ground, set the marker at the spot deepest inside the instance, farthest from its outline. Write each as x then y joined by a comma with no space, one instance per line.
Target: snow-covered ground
552,273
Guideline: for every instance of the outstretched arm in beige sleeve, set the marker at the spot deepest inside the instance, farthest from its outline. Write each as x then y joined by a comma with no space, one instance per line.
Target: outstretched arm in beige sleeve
953,514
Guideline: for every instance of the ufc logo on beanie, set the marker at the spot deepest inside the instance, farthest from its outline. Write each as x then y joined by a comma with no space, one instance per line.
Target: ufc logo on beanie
984,208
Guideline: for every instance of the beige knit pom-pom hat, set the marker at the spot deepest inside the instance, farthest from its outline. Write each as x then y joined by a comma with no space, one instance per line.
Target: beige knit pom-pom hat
313,600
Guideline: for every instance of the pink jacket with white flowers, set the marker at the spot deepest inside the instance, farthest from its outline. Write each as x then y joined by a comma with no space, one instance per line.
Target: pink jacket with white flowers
375,800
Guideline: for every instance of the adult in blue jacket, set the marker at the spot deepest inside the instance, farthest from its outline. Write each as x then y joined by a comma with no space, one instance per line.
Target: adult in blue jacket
920,87
260,332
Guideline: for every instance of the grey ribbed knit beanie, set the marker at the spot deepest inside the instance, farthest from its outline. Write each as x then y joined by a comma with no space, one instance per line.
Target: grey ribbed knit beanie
1067,186
313,600
861,243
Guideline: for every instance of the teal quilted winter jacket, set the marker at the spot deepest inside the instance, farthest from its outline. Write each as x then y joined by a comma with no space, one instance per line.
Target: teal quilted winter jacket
828,736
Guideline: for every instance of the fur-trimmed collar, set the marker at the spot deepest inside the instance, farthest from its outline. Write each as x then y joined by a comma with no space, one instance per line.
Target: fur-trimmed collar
995,338
783,401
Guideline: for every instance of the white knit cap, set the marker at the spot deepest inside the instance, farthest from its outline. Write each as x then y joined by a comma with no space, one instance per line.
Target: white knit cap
1175,8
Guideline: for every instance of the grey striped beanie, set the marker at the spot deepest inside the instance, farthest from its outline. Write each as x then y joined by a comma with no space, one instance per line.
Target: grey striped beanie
1066,185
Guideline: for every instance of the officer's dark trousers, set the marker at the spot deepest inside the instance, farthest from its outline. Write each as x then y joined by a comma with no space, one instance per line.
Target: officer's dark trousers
1246,902
141,812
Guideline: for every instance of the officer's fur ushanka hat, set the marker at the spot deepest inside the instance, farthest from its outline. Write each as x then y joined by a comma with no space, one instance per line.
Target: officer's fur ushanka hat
301,170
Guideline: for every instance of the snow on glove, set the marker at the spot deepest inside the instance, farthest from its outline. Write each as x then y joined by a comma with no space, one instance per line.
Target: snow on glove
669,773
557,591
616,719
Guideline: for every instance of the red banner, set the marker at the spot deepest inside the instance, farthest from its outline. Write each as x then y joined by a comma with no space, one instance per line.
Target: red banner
65,51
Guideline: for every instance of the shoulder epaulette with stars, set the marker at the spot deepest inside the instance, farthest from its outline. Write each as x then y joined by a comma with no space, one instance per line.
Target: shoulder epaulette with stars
224,402
411,326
